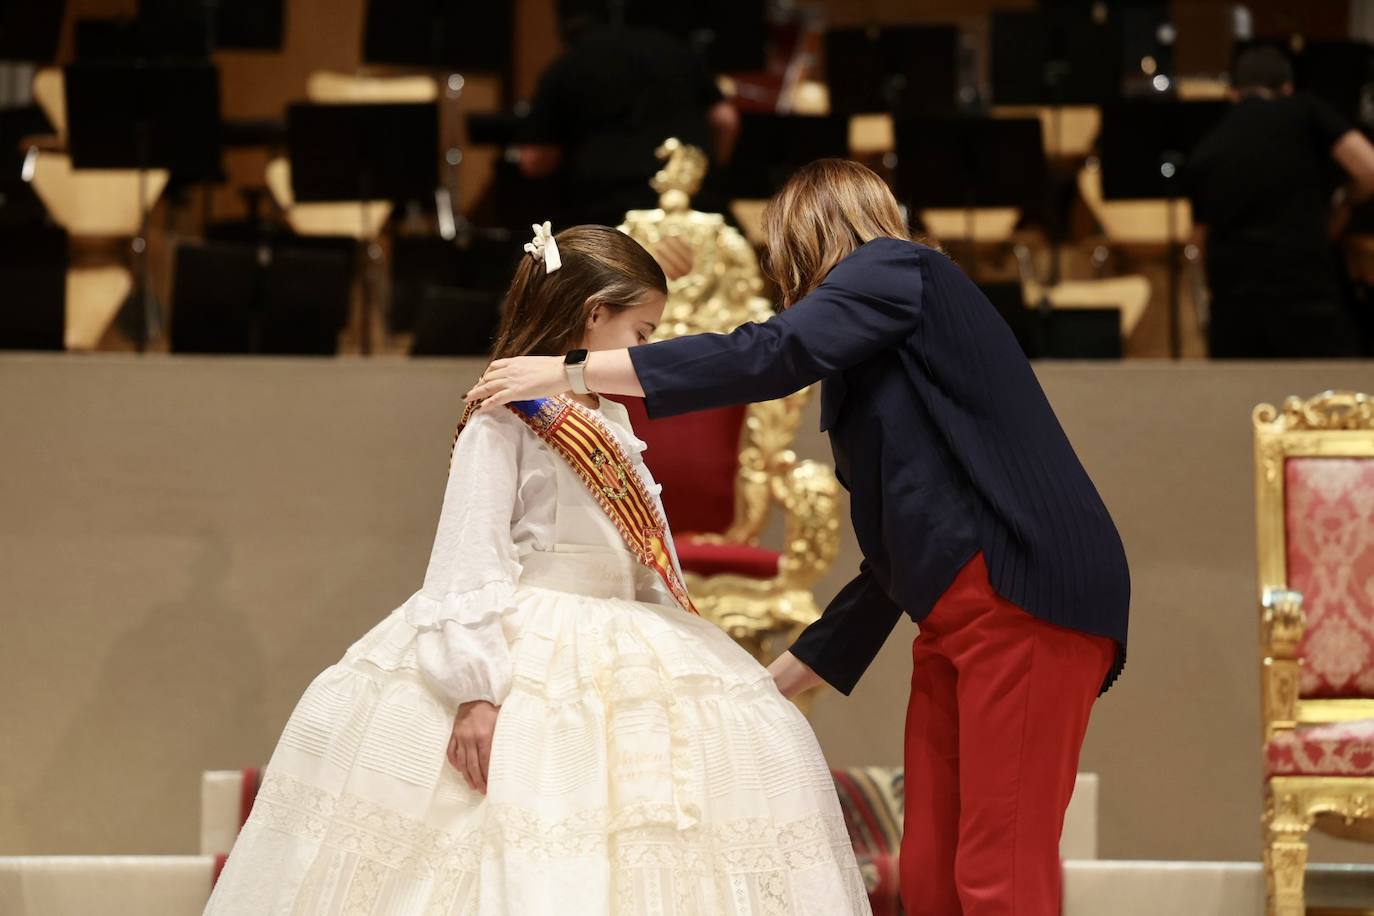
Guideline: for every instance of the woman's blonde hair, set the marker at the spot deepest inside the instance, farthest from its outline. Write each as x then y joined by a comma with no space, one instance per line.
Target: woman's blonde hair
545,314
827,209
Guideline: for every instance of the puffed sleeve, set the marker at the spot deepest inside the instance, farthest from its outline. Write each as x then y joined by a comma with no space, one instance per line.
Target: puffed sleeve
473,569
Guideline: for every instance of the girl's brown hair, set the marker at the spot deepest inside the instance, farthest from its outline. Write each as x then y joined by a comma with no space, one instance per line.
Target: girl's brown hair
826,210
545,314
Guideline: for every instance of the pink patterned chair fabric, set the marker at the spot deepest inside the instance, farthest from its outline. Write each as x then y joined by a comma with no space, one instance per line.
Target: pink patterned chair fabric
1330,541
1337,749
872,802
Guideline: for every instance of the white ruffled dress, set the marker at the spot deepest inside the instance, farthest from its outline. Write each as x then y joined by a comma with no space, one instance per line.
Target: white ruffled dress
643,764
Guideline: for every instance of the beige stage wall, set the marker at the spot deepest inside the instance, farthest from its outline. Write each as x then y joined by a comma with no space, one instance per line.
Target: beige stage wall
184,543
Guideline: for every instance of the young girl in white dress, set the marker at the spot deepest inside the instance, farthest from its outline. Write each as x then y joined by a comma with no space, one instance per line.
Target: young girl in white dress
546,728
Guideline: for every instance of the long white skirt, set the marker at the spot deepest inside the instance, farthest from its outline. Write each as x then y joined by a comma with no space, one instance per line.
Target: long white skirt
643,764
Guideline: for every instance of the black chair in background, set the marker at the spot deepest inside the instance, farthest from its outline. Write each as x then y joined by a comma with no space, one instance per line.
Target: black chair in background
234,297
450,293
1077,333
33,278
456,322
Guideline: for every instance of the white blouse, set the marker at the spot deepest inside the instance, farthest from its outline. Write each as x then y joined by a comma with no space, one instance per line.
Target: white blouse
508,495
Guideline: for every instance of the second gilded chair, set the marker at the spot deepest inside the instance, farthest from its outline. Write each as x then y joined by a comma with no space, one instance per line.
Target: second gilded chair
1314,470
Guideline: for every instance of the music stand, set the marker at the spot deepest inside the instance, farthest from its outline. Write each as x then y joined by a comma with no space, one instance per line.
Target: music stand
1057,56
482,262
456,322
1077,333
247,25
771,147
362,153
284,298
1144,146
728,35
903,71
448,38
19,205
1054,57
139,114
33,274
439,34
968,163
183,29
30,31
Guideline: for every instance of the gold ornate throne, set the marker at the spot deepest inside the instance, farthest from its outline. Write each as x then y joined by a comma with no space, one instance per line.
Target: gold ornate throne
1314,485
723,470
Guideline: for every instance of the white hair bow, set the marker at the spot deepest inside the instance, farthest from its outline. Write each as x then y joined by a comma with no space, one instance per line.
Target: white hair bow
544,246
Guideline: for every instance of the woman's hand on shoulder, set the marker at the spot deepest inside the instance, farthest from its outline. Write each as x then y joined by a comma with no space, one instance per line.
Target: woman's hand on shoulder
469,745
521,378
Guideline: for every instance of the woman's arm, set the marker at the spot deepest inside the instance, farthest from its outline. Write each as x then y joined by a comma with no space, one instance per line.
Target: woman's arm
870,302
843,643
469,586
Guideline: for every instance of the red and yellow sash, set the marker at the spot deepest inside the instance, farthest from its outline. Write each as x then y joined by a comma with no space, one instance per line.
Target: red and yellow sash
595,455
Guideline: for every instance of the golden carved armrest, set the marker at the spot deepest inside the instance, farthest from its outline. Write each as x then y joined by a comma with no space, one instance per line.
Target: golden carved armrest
765,455
809,496
1284,621
1281,629
753,610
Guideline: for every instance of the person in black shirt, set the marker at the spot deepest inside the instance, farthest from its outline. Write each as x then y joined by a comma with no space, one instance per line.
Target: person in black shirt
1260,185
602,109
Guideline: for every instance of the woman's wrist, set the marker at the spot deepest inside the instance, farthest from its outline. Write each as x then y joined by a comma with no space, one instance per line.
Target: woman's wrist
792,675
612,372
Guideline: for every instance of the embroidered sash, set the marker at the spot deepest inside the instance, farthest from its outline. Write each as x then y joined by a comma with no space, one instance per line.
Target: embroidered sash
595,456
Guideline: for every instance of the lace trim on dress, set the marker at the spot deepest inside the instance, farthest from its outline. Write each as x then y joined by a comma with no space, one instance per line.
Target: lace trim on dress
745,859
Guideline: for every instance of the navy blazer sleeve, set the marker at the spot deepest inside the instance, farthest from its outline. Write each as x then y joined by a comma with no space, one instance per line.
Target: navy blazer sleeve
869,302
843,643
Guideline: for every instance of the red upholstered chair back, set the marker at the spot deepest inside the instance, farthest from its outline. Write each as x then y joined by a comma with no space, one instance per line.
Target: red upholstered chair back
695,457
1329,537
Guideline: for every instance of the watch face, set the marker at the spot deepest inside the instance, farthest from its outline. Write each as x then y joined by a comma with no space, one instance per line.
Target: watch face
575,357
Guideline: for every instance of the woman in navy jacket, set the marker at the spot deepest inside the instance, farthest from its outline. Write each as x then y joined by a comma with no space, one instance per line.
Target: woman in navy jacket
971,509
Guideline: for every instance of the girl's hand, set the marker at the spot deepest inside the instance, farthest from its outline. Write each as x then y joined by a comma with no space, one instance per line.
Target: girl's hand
792,675
469,747
521,378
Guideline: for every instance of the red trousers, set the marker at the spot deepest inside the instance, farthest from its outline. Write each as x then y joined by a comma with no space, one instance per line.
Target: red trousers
999,706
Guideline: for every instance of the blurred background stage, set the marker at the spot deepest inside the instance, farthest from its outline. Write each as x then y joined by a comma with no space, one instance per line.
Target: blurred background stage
1031,143
201,204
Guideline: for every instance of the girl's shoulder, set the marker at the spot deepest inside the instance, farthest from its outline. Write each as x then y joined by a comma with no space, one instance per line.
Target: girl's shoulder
491,420
504,424
616,412
491,430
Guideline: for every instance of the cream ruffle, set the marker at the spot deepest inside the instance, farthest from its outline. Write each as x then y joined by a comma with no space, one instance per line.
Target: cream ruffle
470,607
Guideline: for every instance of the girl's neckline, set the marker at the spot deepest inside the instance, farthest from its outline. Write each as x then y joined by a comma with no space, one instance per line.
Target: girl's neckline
600,402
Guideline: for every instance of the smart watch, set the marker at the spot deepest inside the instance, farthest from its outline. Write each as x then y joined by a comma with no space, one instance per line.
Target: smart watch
575,365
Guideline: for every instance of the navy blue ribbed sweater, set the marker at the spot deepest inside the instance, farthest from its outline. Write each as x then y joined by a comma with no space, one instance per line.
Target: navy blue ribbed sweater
943,437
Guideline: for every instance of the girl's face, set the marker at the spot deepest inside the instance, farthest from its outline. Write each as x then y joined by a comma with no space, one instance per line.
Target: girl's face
609,329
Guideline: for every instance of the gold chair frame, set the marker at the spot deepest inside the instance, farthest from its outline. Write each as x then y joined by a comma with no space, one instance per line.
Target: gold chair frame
718,294
1330,425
